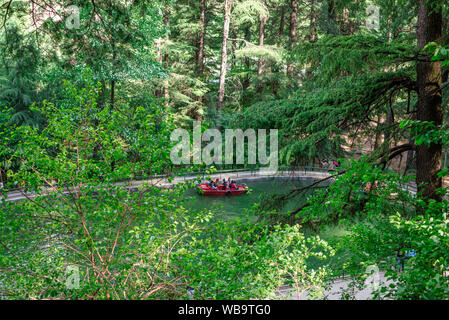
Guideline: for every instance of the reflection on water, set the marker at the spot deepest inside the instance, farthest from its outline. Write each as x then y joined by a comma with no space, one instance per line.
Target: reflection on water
234,206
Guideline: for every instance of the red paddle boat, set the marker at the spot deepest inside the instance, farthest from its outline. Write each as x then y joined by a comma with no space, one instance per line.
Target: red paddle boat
205,190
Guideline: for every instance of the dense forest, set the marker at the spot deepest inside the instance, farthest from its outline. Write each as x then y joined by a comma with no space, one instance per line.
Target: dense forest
91,91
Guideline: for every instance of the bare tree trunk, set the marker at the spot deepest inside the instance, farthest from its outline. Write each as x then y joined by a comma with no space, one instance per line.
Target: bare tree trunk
445,40
429,81
114,62
410,157
234,45
312,36
344,27
200,55
389,115
378,139
112,93
158,92
281,36
282,24
387,135
224,52
331,17
246,81
294,12
166,23
313,31
246,60
263,22
200,58
102,94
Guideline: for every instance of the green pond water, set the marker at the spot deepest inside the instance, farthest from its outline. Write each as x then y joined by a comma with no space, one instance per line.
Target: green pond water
234,206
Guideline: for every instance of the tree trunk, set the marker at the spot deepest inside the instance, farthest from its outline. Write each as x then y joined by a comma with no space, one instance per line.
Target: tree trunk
200,57
387,135
410,157
234,45
429,80
166,23
276,66
158,92
445,40
102,94
344,27
263,22
294,8
112,93
312,36
313,31
331,17
224,52
114,62
281,24
378,139
246,81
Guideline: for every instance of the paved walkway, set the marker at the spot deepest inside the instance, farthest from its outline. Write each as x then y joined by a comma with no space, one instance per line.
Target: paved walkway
240,176
340,290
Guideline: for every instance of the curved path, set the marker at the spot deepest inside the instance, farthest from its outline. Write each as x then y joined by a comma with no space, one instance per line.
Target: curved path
242,176
340,289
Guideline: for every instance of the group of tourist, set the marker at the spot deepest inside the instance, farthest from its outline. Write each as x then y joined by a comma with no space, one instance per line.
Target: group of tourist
403,255
370,187
330,164
215,184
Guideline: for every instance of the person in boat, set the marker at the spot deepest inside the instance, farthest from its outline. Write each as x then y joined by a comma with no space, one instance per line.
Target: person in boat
232,185
324,164
212,184
371,187
338,164
368,188
225,184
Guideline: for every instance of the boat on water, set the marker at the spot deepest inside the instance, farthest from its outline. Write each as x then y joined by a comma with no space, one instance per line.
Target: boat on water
206,190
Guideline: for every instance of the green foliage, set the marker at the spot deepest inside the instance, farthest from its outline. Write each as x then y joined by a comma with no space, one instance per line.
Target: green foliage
348,55
249,12
78,215
20,59
10,135
311,124
122,244
438,53
358,191
246,261
378,241
381,224
425,132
